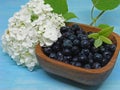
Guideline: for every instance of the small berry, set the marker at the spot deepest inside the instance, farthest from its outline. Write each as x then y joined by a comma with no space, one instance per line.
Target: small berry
98,57
76,42
66,52
96,65
87,66
85,44
78,64
53,55
67,43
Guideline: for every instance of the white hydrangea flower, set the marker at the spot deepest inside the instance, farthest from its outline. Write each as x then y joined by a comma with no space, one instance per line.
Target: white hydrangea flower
23,33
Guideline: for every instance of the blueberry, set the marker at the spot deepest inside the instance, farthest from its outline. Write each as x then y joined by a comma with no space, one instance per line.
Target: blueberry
72,37
112,47
66,51
56,48
60,58
79,36
76,42
96,65
63,29
90,61
85,44
89,32
107,55
75,50
60,40
75,27
104,62
59,54
102,49
90,56
67,58
85,51
87,66
47,50
83,58
84,37
91,40
73,63
98,57
78,64
67,34
53,55
75,59
80,31
94,49
67,43
67,62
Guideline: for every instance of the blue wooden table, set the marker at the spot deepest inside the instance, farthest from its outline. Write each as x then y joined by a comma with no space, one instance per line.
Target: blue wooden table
13,77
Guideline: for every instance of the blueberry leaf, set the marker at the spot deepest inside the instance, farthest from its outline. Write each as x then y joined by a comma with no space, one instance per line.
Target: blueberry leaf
69,15
106,31
102,26
98,42
105,39
93,35
106,4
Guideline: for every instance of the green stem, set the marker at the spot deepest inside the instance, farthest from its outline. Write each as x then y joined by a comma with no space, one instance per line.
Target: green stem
92,10
95,19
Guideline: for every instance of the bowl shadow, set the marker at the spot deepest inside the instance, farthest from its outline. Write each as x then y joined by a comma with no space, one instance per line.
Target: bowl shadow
73,83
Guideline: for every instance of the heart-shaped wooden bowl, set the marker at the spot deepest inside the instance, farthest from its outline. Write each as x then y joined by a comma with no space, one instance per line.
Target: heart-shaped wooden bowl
81,75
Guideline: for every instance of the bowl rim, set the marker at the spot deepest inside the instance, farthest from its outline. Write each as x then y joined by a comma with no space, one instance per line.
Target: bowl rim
39,52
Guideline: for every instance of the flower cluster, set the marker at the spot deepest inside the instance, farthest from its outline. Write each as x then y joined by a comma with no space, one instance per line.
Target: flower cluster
34,23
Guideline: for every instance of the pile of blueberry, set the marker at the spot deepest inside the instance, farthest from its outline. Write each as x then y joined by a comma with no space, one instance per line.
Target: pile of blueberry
75,48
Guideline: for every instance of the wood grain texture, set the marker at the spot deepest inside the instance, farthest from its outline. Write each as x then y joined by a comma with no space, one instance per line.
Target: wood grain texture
81,75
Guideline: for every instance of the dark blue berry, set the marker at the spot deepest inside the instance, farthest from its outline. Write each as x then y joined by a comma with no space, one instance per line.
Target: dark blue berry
78,64
75,27
102,49
98,57
66,51
85,44
107,55
63,29
56,48
104,62
112,47
94,49
53,55
47,50
85,51
67,58
76,42
67,43
84,37
96,65
87,66
75,50
75,59
72,37
83,58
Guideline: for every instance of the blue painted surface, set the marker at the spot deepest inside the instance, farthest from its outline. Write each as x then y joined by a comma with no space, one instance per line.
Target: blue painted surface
13,77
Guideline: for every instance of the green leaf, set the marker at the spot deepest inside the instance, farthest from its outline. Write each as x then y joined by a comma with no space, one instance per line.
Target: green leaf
69,15
106,31
102,26
105,40
98,42
59,6
106,4
34,17
93,35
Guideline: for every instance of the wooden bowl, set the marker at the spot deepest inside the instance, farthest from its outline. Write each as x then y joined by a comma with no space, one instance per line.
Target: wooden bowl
81,75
